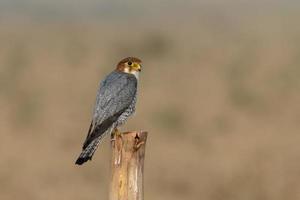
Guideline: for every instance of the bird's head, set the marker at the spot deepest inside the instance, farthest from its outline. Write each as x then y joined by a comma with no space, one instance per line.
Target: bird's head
130,65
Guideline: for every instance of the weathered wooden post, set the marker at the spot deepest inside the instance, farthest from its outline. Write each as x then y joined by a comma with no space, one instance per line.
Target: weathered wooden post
127,166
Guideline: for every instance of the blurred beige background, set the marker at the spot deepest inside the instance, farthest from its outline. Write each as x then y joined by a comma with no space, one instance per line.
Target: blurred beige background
219,94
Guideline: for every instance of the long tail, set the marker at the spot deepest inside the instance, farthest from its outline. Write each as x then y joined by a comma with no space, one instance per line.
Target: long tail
92,141
94,136
88,152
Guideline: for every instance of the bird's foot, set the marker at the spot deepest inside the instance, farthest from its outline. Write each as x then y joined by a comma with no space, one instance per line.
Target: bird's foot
116,139
116,133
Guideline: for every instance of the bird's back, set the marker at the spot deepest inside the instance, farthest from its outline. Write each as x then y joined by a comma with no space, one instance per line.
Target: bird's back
115,94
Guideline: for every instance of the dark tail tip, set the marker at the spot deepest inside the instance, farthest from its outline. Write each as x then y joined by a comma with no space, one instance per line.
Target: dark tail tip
82,160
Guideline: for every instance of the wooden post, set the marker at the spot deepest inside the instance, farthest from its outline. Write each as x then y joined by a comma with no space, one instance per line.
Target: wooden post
127,166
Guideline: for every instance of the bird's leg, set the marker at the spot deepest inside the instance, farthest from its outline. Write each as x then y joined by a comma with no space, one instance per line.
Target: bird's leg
112,136
117,137
115,133
118,133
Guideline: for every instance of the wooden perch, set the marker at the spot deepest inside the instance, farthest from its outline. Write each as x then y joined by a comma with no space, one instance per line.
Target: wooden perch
127,166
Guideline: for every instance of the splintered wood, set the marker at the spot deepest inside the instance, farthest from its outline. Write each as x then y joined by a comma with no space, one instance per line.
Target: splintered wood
127,166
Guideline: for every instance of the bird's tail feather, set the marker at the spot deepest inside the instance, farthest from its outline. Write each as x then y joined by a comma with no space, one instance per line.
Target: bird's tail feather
92,141
88,152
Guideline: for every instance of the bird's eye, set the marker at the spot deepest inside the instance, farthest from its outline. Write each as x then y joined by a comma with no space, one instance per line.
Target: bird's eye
129,63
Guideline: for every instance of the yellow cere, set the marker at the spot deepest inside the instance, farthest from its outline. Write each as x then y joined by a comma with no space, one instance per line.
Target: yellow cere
136,66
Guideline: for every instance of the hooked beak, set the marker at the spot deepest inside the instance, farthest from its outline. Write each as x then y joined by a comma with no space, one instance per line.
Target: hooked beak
137,67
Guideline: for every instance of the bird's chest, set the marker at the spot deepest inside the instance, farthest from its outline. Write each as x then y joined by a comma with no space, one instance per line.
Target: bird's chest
129,111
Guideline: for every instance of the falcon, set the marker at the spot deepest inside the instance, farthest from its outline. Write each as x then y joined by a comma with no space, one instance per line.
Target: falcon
115,102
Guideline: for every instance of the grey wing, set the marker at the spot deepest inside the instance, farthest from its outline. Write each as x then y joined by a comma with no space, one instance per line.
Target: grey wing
115,95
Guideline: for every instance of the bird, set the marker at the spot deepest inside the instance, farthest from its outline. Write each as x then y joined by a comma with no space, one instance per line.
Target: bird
115,102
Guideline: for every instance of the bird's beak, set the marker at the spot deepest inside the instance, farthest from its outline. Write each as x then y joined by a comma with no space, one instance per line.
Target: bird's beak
137,67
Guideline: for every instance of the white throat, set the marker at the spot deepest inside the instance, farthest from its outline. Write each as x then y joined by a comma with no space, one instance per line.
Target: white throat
136,74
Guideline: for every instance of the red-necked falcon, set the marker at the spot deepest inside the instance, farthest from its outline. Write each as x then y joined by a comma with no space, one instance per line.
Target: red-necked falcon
115,102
